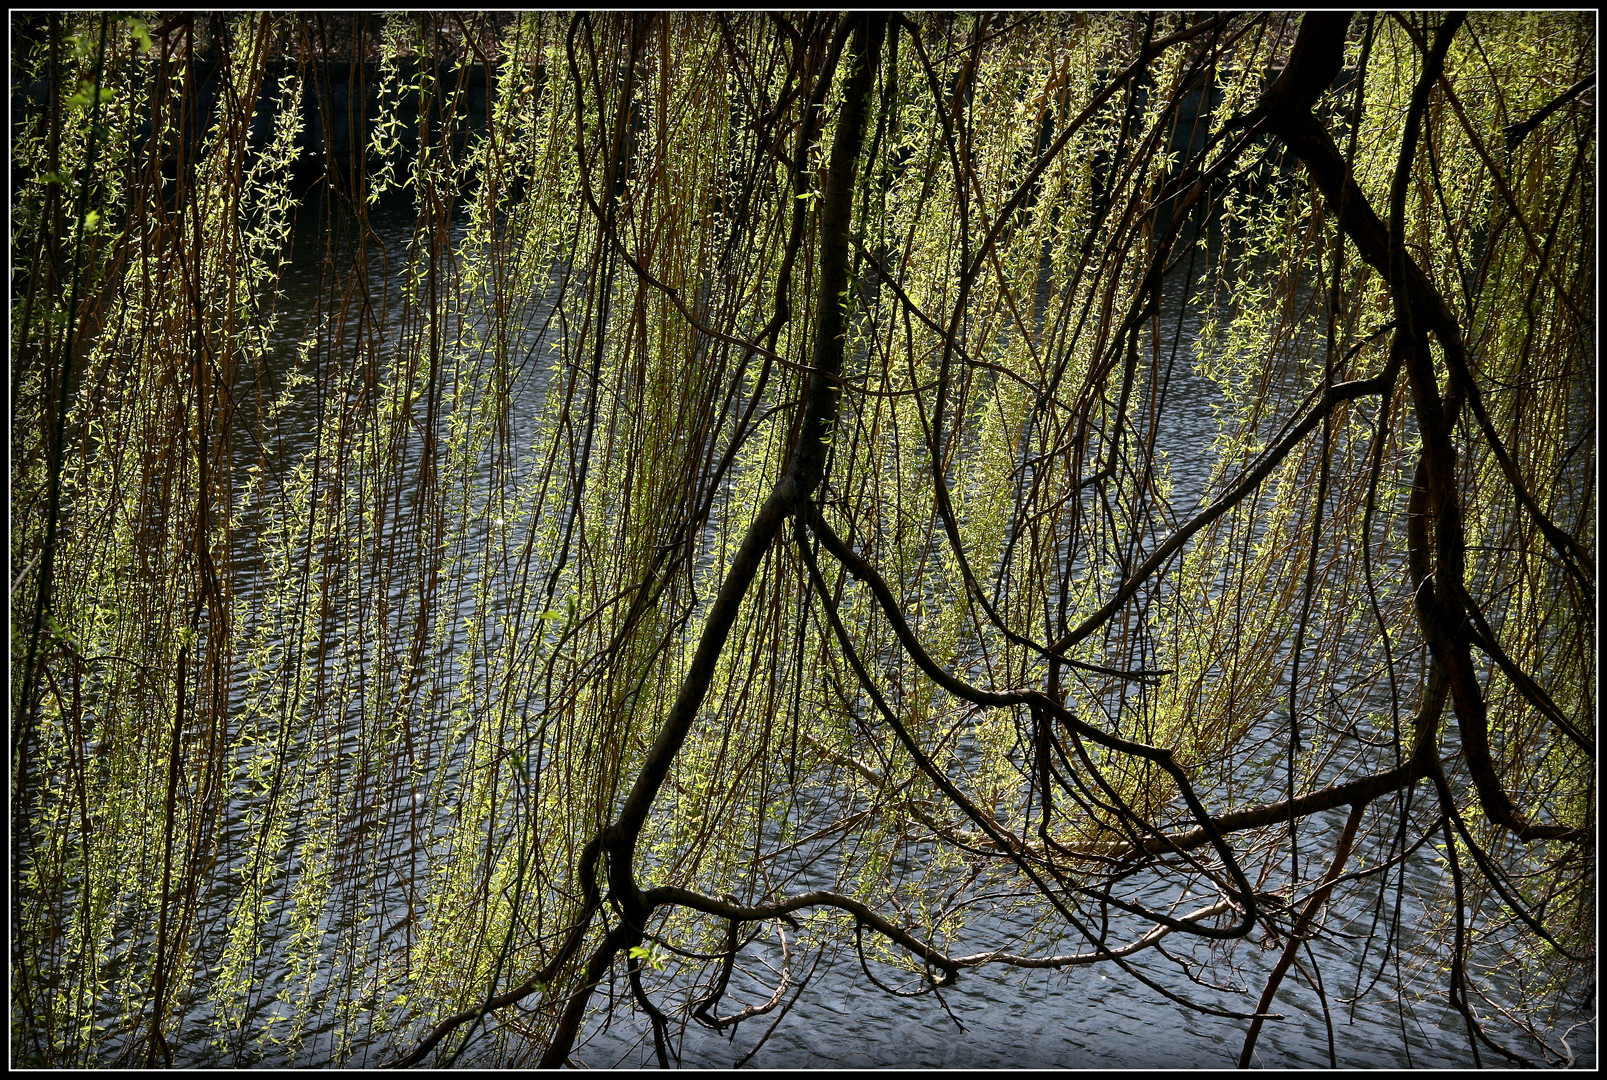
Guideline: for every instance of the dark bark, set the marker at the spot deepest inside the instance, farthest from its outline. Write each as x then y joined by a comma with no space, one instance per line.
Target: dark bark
1302,928
791,492
1436,555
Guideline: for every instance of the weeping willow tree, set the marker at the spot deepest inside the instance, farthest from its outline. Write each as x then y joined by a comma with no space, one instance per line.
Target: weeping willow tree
1003,491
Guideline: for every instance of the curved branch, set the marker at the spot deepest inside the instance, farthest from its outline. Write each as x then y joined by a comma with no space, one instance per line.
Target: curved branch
1269,460
1420,309
1161,756
802,475
719,1023
929,954
1517,132
803,471
1013,851
1302,926
1350,793
972,265
1536,695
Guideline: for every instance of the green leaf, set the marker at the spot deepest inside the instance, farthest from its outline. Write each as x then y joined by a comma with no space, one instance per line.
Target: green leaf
647,956
88,93
140,31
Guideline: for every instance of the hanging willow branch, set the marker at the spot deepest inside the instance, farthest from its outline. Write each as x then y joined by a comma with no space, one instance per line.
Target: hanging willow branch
511,509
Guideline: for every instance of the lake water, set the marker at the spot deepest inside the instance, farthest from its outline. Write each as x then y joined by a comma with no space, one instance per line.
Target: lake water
1082,1017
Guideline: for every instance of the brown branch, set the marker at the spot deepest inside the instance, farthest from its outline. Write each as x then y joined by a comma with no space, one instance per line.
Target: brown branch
1302,927
1420,309
1452,817
1012,848
868,916
808,454
720,1023
1515,133
1352,792
1251,480
1147,294
1535,247
1161,756
802,475
1306,136
1536,695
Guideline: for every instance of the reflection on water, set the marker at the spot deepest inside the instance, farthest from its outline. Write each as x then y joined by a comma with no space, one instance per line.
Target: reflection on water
1096,1016
1080,1017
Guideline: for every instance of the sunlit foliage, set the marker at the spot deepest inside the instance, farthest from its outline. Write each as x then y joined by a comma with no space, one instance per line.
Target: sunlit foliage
1208,448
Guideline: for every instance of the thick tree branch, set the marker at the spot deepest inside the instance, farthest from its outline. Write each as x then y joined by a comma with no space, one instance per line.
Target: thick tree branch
1517,132
1420,309
803,474
1349,793
928,954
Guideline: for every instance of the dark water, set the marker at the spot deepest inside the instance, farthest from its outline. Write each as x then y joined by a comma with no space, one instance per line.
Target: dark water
1096,1016
1083,1017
